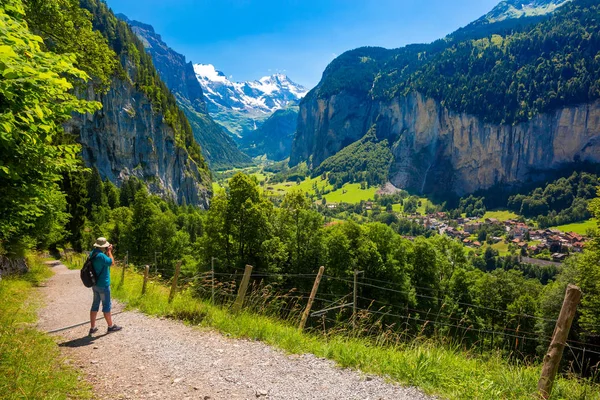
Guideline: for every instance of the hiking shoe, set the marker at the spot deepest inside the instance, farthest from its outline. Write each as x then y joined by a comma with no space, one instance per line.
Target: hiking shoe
114,328
93,330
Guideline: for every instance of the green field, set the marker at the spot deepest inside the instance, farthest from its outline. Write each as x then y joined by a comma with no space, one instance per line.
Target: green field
579,227
501,247
500,215
351,193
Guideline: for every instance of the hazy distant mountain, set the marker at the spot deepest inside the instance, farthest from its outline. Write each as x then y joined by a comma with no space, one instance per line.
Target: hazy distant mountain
241,107
274,137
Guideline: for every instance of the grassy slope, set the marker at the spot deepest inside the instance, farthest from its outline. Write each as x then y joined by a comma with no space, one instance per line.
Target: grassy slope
30,363
500,215
579,227
448,372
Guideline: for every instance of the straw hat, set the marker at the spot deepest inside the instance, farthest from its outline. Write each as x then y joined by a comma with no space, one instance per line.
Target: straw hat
101,243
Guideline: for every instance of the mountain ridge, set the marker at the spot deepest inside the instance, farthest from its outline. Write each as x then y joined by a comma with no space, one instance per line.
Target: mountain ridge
243,106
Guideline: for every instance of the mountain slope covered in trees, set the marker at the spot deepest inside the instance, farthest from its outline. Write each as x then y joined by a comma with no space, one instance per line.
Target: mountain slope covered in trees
128,123
511,104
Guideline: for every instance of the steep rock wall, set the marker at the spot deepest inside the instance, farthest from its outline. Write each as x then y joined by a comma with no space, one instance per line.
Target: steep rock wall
128,138
437,150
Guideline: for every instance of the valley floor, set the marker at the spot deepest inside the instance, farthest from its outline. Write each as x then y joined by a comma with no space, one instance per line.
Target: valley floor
164,359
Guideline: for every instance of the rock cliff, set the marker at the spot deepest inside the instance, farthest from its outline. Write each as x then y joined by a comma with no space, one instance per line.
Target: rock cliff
437,150
127,137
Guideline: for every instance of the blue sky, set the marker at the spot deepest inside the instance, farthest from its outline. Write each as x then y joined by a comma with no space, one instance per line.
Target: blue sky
248,39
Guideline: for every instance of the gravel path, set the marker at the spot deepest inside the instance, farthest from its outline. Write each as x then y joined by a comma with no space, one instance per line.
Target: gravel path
164,359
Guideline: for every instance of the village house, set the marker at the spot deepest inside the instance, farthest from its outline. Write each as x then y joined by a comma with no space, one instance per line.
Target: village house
472,227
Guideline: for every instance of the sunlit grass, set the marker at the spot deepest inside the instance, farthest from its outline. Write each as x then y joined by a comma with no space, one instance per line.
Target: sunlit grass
31,366
447,371
500,215
580,227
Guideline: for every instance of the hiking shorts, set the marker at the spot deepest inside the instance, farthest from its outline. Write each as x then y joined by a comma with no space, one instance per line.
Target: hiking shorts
101,294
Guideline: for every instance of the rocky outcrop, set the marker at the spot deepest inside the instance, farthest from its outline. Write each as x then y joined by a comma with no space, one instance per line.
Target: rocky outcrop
437,150
127,137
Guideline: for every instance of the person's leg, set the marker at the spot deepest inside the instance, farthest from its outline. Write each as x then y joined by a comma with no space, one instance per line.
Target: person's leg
93,315
108,318
95,308
106,309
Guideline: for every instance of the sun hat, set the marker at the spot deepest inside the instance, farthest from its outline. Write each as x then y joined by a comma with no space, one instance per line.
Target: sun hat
101,243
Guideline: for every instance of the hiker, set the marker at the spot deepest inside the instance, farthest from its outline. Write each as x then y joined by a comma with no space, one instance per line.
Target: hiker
102,259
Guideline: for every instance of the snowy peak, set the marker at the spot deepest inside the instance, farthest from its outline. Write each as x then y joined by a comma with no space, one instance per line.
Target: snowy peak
513,9
263,96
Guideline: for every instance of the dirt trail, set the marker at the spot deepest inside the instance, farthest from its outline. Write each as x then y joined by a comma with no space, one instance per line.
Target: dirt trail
164,359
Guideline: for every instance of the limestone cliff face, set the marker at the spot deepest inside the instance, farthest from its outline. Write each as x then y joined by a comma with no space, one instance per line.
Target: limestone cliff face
127,137
437,150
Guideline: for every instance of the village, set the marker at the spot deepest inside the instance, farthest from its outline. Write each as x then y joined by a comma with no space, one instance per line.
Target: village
550,244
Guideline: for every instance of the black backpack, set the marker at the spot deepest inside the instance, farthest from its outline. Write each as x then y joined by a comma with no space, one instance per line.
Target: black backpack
88,273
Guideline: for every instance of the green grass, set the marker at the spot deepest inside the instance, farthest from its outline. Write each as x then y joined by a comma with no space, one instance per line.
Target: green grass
579,227
31,366
74,260
443,370
500,215
501,247
216,187
351,193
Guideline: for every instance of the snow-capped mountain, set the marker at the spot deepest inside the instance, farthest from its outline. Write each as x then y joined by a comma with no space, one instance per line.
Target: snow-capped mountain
242,106
513,9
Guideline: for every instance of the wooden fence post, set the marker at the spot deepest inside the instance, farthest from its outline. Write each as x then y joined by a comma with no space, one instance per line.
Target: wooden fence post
174,284
559,340
146,271
123,274
239,301
313,293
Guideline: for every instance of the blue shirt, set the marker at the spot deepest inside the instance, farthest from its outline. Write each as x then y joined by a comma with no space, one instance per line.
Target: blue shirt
101,263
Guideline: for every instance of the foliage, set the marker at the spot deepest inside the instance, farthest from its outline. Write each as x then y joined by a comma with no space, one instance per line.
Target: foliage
558,203
35,100
472,206
366,160
67,29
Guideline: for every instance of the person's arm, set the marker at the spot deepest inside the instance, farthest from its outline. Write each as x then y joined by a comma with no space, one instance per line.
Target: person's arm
110,255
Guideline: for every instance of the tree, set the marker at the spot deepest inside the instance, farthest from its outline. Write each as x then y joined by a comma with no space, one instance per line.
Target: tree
142,230
36,101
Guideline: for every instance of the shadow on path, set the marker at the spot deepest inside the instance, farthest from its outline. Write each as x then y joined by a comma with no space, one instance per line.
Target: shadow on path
81,342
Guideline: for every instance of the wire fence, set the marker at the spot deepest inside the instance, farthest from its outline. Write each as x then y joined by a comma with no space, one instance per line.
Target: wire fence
341,306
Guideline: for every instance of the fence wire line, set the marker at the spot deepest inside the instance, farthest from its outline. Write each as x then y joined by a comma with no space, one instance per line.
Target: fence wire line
408,317
364,278
444,316
458,302
449,325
